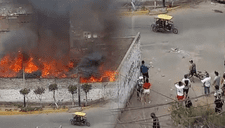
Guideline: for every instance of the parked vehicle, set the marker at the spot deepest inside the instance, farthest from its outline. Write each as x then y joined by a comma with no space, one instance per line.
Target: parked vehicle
164,23
79,118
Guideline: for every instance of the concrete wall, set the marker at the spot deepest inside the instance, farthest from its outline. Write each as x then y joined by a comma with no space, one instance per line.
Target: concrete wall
117,91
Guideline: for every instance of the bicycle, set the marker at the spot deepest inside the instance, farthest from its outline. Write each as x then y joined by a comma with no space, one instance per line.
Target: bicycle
198,74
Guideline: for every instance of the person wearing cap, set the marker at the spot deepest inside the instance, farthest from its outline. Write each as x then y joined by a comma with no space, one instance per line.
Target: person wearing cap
206,82
180,90
216,81
155,121
144,70
192,68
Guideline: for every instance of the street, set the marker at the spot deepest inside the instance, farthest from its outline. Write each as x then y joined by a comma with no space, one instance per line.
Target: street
200,38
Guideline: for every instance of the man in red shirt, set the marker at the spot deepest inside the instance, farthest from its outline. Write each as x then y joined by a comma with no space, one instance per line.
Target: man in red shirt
146,85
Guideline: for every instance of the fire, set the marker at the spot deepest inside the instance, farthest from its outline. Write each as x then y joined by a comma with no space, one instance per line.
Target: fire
111,75
31,67
10,66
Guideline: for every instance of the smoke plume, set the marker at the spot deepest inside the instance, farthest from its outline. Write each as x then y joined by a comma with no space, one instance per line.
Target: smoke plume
49,36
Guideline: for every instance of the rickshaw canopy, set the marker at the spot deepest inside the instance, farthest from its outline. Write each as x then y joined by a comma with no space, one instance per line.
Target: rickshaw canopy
79,113
164,16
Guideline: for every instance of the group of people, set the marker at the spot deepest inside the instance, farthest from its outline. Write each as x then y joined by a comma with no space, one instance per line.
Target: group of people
143,86
163,23
146,89
184,85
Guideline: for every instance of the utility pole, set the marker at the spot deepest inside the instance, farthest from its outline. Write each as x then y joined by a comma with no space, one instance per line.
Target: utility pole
24,84
78,76
79,92
164,5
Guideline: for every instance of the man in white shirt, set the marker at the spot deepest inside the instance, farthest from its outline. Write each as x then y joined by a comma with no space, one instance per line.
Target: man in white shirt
206,82
180,92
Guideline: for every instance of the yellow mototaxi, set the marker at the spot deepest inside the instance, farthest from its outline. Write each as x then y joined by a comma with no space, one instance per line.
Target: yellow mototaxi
164,23
79,118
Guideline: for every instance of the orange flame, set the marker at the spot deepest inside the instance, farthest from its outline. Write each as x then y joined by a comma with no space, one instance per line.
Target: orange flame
111,75
31,67
10,67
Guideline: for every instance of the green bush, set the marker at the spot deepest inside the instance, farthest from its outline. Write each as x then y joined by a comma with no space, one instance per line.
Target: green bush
143,8
194,116
28,109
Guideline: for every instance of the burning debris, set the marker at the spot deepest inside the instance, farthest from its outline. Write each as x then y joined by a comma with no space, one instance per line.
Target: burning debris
92,69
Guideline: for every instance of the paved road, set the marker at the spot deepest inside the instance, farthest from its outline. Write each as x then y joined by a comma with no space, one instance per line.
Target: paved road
201,38
99,117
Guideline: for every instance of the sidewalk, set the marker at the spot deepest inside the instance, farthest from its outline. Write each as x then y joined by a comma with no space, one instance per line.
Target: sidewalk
99,116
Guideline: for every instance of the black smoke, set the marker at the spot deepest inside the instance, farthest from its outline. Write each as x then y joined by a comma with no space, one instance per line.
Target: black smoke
49,36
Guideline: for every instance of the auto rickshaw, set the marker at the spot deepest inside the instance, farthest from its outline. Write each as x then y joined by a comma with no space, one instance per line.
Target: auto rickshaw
79,118
164,23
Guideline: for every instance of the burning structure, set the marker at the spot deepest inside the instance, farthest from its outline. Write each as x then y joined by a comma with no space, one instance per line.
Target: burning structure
47,48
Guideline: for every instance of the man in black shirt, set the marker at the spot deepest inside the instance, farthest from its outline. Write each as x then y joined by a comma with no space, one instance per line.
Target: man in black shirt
155,121
188,102
219,104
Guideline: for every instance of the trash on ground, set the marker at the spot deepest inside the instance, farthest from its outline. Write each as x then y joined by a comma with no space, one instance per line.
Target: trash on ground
175,50
218,11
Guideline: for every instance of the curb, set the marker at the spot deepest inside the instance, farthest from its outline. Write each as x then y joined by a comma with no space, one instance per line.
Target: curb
148,12
170,9
4,113
135,13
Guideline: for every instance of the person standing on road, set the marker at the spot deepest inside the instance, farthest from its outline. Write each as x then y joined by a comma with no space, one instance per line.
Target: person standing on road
223,80
192,68
206,83
216,81
223,83
187,84
144,70
180,90
155,121
146,91
140,83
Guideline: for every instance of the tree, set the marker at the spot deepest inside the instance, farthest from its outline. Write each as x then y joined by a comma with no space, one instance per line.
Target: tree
164,3
86,88
53,87
72,89
24,92
39,91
